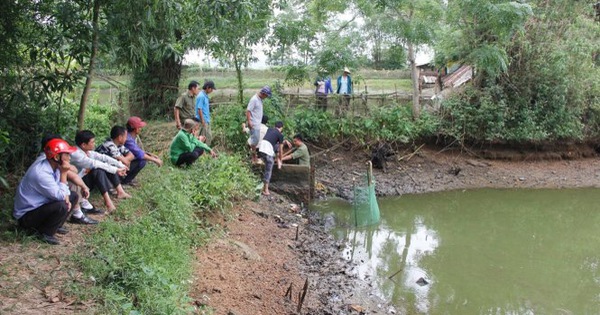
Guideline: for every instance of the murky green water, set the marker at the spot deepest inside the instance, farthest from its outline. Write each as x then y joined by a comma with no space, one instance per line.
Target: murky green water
482,251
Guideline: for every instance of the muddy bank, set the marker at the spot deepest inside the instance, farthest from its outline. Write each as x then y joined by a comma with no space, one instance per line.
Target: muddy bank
334,287
266,248
431,169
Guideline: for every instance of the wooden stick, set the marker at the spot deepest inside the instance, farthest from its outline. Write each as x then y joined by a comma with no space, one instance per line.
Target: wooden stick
411,154
288,293
395,273
332,148
301,297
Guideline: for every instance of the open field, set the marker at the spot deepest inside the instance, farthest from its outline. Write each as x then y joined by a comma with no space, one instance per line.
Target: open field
105,88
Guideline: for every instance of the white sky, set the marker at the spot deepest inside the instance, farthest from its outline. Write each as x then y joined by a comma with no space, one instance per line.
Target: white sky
199,57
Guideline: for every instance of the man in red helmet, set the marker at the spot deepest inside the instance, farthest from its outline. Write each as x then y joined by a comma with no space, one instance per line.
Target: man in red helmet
43,199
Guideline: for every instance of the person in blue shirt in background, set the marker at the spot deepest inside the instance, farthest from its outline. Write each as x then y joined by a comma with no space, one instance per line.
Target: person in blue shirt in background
344,88
203,110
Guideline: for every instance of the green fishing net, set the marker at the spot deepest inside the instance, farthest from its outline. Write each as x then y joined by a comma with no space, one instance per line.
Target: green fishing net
365,207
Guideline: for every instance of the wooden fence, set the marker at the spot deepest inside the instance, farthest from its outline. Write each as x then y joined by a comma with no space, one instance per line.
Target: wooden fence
355,104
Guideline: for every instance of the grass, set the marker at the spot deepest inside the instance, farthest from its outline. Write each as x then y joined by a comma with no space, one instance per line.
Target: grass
141,257
376,81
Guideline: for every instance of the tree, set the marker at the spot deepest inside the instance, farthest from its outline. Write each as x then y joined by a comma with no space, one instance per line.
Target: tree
292,33
529,63
92,60
480,33
413,23
43,47
229,30
393,57
149,37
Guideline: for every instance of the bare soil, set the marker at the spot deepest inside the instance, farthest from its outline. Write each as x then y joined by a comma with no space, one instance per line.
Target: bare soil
251,266
238,285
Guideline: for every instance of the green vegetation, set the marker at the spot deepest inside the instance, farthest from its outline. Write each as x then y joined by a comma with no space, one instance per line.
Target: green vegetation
536,80
392,123
141,257
538,84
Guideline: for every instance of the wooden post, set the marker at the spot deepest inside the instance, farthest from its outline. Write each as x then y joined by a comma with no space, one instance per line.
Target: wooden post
302,295
311,192
288,293
369,173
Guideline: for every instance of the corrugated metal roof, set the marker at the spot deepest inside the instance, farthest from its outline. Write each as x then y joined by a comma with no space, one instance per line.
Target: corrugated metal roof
459,77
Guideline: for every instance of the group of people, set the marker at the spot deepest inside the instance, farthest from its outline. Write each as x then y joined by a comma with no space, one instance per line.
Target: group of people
323,88
56,186
268,143
192,118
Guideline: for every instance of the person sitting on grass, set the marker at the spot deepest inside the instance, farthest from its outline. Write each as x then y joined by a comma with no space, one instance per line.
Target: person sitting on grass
187,146
43,200
115,148
269,148
134,128
75,183
299,153
97,169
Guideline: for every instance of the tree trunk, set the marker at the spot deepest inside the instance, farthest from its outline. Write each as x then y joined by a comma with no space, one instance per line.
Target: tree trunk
156,87
238,72
414,71
90,72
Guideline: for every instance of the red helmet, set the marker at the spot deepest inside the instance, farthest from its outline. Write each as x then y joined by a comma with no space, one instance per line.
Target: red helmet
56,146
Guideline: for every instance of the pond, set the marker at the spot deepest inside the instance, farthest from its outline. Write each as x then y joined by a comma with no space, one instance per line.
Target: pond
480,251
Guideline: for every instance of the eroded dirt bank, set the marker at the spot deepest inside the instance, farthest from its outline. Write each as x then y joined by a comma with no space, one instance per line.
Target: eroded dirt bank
430,169
236,283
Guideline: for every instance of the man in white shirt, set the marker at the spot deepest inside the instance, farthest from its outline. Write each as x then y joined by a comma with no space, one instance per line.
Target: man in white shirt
254,113
97,170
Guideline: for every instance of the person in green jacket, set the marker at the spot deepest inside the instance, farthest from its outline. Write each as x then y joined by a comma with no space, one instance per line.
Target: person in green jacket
187,146
299,153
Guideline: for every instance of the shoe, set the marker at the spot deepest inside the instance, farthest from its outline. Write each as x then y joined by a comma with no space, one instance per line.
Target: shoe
93,210
50,239
85,204
62,230
83,220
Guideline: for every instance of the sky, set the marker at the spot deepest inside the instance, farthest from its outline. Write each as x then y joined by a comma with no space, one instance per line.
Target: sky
199,57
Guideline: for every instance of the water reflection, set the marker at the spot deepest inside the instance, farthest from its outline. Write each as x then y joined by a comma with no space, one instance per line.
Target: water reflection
481,252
